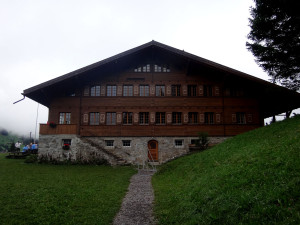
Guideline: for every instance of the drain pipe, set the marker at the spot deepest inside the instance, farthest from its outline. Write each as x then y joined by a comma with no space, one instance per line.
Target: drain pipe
20,99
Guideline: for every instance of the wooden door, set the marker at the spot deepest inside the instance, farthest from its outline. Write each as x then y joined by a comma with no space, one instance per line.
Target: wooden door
153,150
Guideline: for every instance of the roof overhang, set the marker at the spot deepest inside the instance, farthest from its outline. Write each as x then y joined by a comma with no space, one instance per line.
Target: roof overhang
276,99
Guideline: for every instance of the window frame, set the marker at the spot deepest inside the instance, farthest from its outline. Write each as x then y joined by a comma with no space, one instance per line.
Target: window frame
160,118
111,90
144,91
193,117
160,90
126,143
107,143
64,118
192,90
111,118
96,118
95,91
128,90
144,118
209,118
176,90
241,118
176,118
127,118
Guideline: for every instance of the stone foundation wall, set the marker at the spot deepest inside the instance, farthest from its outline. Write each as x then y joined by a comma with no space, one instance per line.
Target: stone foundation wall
94,149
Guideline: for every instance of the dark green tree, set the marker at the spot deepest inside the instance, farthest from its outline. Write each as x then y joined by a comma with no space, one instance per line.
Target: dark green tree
274,40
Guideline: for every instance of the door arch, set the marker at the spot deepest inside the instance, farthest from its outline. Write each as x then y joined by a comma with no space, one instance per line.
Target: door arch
152,150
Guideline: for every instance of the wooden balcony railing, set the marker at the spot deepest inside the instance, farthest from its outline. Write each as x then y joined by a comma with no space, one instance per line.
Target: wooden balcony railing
59,129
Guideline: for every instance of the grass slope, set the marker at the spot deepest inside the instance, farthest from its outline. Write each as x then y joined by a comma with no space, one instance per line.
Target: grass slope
253,178
49,194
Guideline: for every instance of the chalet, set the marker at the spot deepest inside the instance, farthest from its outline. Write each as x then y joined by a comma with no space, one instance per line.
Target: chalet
150,102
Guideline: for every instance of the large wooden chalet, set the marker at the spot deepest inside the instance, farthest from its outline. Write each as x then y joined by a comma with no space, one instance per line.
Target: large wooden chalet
150,102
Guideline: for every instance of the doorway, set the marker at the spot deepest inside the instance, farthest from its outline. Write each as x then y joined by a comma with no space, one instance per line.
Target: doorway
153,150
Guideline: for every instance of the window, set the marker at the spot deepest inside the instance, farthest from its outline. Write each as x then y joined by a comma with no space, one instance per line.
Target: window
109,143
160,90
160,118
207,90
127,118
192,90
111,90
94,118
209,117
126,143
193,117
95,91
145,68
240,117
111,118
161,69
127,90
175,90
176,117
144,117
66,142
144,90
64,118
178,143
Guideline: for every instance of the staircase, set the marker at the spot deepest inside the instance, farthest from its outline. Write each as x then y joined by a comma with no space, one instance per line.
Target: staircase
117,159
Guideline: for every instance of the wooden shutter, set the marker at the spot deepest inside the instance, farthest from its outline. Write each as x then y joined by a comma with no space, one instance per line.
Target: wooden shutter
217,91
201,118
218,117
86,91
234,118
200,90
249,118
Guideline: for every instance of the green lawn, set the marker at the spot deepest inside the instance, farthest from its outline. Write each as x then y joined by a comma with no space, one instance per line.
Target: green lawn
60,194
253,178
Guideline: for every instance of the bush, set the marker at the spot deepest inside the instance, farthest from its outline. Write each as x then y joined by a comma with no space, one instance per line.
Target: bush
203,141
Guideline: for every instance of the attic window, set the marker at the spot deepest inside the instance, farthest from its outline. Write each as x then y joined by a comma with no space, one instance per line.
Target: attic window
161,69
145,68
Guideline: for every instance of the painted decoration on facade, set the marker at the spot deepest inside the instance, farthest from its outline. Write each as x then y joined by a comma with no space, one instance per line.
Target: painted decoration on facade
102,118
119,117
185,118
152,117
169,118
136,90
184,90
119,90
136,117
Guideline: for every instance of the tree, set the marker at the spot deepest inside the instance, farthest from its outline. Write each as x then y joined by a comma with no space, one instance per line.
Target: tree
274,40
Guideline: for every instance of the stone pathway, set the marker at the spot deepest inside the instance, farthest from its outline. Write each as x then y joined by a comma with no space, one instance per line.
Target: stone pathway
137,205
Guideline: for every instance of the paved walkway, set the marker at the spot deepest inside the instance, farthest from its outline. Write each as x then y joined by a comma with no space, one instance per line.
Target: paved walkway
138,203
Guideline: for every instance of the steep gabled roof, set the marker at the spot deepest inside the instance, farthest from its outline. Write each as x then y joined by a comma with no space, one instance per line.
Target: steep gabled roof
39,92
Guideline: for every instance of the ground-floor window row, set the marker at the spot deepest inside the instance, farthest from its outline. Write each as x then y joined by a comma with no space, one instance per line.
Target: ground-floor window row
159,118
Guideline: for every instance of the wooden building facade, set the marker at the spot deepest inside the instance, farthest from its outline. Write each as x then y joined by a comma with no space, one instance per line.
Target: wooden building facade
151,102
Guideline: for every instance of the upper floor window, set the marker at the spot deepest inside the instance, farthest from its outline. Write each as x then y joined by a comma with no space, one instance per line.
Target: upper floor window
209,117
95,91
64,118
161,69
144,90
160,118
192,90
145,68
193,117
240,117
207,90
175,89
94,118
176,117
127,90
127,118
144,117
160,90
111,90
111,118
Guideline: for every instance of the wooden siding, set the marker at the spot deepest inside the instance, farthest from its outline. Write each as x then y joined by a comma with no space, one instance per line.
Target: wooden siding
59,129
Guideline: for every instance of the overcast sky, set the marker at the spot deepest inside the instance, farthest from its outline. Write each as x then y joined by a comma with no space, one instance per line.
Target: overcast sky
43,39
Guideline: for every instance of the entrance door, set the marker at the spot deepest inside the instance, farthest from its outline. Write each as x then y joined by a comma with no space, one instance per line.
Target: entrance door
153,150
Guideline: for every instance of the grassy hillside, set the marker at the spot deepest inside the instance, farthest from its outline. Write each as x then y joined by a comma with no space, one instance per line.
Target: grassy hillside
51,194
253,178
